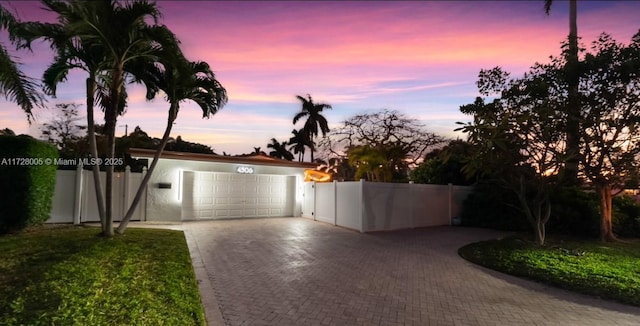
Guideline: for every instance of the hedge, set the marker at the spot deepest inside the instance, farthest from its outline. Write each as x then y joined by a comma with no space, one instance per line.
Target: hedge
27,181
573,212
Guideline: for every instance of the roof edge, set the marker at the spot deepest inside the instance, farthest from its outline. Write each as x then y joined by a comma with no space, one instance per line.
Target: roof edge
257,160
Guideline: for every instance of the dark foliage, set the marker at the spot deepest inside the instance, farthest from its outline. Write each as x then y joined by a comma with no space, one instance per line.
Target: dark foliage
27,181
574,212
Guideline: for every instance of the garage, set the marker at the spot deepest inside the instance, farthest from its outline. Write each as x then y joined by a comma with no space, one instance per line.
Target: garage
194,186
211,195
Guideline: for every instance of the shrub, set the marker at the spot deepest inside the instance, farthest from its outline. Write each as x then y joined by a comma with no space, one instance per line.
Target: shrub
574,212
491,206
626,217
27,185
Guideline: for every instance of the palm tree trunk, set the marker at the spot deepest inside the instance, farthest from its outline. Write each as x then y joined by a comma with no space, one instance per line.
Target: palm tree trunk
93,147
156,157
573,107
111,118
111,145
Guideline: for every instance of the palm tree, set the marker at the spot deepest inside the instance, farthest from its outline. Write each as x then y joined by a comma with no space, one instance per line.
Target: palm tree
298,142
280,150
72,53
14,84
369,162
315,119
180,81
121,35
573,107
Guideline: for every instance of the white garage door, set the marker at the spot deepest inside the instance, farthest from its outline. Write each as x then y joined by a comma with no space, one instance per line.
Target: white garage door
209,195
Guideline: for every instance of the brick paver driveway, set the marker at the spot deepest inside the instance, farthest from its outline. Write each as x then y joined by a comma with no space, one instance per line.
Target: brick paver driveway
293,271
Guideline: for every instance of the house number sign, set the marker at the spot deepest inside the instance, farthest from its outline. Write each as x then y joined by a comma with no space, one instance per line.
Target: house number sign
244,169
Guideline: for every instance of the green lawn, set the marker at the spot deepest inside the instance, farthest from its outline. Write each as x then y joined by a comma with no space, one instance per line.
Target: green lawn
607,270
70,276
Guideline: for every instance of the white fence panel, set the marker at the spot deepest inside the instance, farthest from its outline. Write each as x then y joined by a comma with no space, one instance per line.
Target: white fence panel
367,206
387,206
349,205
430,205
308,199
325,202
75,195
132,182
63,197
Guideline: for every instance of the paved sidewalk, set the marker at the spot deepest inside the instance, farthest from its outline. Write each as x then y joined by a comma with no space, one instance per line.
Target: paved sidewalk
293,271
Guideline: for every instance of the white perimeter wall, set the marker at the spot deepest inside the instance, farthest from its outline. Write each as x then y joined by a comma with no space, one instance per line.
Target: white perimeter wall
370,206
74,197
166,204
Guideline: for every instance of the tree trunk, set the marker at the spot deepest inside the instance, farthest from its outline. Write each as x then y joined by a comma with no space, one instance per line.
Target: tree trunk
606,200
573,107
534,211
111,148
312,150
93,147
165,139
111,118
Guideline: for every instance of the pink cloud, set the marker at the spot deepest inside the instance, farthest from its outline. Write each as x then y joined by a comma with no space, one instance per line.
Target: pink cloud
349,54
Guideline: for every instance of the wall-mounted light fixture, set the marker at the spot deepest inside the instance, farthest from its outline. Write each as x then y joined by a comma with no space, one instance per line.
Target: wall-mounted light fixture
164,185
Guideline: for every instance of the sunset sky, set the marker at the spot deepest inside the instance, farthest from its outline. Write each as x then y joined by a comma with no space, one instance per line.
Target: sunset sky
418,57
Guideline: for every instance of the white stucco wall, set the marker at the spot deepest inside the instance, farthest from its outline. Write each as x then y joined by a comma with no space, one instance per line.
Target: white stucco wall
166,204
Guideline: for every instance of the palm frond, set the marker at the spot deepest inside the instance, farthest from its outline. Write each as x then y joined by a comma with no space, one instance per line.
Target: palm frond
16,86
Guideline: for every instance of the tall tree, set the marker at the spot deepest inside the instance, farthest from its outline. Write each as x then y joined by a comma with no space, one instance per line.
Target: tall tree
573,105
445,165
298,142
118,37
316,123
403,140
72,52
517,141
279,150
180,81
14,84
610,150
609,153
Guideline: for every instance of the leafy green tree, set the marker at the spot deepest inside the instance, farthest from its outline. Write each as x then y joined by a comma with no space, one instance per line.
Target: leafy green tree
14,84
315,122
610,147
445,165
518,141
279,150
534,105
370,163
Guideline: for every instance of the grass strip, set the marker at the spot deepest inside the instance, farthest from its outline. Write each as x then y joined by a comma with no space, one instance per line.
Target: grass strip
71,276
607,270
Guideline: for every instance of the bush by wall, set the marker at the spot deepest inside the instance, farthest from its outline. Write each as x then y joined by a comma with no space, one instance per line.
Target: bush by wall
27,182
626,217
573,212
491,206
